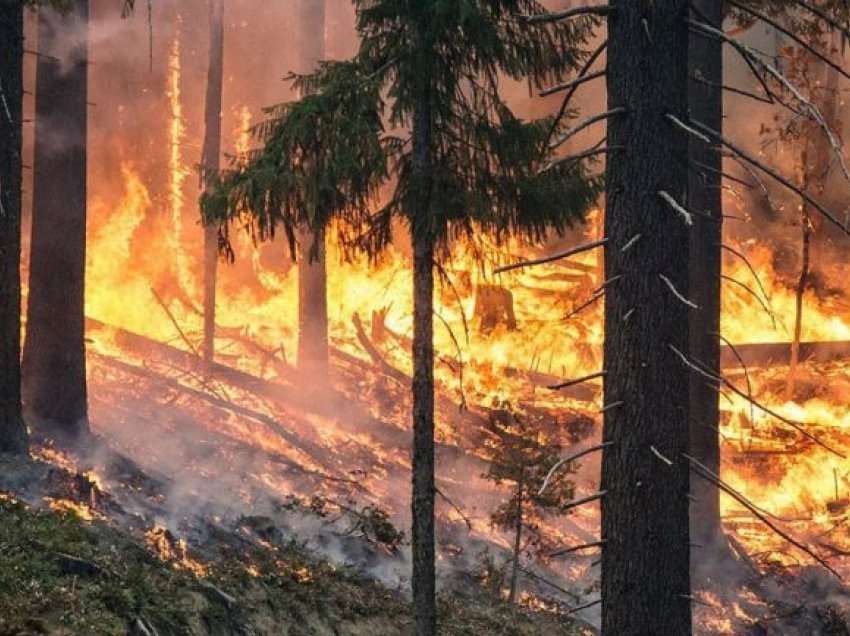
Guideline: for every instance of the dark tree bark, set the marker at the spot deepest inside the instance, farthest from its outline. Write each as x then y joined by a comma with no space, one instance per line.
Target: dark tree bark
705,100
54,360
13,433
645,561
423,238
211,165
312,269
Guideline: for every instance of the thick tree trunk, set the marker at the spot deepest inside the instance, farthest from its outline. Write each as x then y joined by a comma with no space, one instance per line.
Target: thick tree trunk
645,562
312,270
54,360
423,547
211,164
13,433
705,101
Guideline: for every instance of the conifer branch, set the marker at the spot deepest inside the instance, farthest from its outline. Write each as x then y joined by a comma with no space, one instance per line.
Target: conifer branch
568,460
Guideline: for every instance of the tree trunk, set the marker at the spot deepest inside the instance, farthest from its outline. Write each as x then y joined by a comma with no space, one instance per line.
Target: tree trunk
645,562
13,433
54,360
312,270
424,575
517,537
705,101
211,165
814,177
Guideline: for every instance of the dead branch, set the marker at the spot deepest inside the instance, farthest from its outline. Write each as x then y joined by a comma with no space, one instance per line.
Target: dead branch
709,476
574,83
576,548
743,364
567,460
598,11
584,500
787,32
583,72
778,177
700,167
731,89
582,380
576,158
455,507
749,265
585,123
459,359
677,293
752,292
714,377
812,109
573,610
174,322
546,581
554,257
687,216
388,369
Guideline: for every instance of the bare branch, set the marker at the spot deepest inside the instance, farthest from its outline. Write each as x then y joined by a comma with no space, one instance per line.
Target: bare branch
576,548
750,290
778,177
703,471
582,380
586,123
718,379
687,128
676,292
583,72
567,460
578,81
731,89
574,159
555,257
687,217
584,500
699,167
749,265
573,610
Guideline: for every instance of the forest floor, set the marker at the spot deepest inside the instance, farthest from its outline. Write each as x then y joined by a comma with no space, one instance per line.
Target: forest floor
67,568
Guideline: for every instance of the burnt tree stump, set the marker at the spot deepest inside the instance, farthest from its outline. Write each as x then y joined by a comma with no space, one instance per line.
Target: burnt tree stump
494,306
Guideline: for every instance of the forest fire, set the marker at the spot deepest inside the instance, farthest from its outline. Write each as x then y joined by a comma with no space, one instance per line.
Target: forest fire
252,450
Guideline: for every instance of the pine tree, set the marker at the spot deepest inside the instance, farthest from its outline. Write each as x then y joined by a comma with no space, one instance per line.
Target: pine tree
522,455
460,160
13,432
645,476
54,363
312,358
211,164
705,195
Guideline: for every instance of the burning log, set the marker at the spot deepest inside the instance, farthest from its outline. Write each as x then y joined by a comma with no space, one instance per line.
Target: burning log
779,353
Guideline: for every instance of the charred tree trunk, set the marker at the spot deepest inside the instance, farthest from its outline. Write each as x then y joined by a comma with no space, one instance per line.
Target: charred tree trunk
211,164
645,562
13,433
312,268
705,100
423,238
54,360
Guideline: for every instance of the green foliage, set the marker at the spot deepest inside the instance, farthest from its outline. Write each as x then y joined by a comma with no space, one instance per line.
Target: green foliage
521,455
279,590
331,155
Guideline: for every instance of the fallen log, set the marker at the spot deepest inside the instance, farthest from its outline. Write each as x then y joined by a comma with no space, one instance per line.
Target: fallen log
779,353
